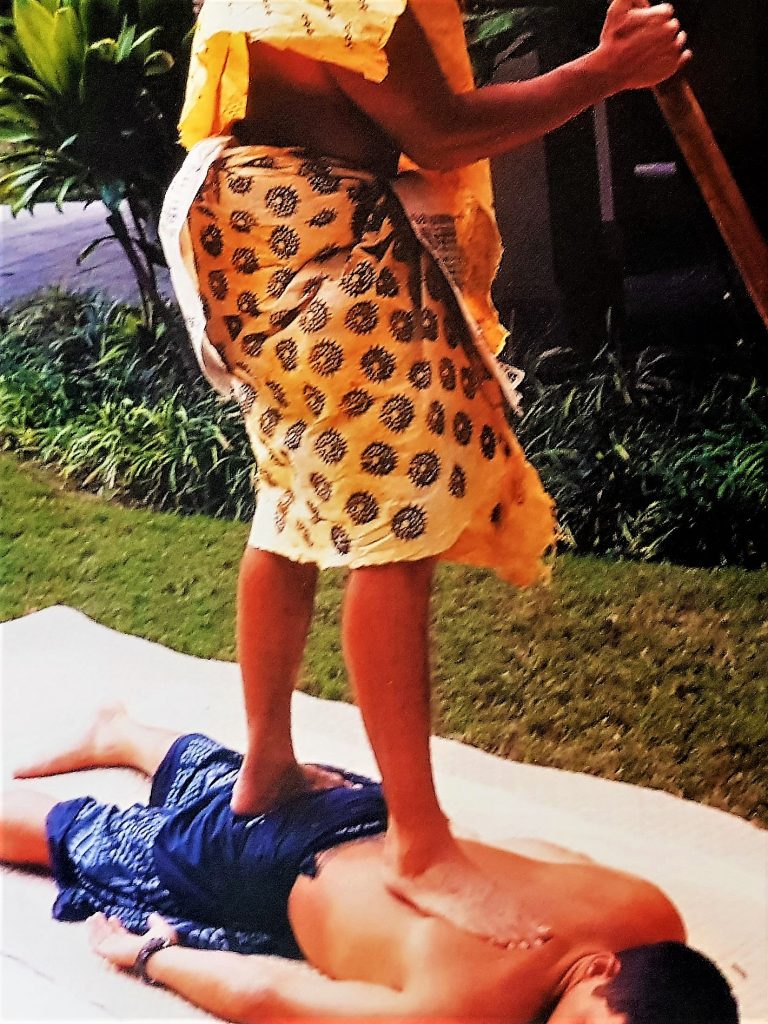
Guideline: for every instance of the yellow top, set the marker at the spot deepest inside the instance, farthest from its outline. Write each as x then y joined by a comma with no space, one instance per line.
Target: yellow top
353,34
350,33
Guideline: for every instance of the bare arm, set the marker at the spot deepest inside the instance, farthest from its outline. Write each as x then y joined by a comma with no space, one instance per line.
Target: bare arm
440,129
247,988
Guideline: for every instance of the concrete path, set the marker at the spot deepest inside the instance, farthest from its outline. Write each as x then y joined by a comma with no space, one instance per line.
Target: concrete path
40,249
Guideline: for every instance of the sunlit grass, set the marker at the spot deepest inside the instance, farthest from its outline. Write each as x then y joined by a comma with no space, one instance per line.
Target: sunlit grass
652,674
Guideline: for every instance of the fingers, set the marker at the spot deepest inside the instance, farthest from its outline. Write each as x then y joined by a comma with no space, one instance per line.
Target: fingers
540,937
661,18
685,57
100,929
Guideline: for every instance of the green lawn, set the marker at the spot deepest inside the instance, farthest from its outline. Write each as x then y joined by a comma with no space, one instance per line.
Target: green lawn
652,674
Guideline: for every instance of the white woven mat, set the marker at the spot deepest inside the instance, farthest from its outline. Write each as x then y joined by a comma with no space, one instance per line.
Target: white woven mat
58,666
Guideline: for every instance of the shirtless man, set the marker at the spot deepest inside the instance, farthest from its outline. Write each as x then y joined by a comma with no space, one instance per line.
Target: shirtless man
295,101
617,955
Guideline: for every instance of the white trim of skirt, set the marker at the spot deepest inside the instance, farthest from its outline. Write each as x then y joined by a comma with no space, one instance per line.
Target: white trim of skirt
174,236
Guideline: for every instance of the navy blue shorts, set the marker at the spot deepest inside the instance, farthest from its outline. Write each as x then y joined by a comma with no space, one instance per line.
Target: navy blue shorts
222,879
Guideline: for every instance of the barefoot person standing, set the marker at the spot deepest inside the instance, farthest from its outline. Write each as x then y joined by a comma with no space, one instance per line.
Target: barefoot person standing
332,243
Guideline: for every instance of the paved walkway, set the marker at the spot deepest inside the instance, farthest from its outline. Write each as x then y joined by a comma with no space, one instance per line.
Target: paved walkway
40,249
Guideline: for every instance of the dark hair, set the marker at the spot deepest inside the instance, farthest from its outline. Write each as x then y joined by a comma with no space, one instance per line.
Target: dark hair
669,983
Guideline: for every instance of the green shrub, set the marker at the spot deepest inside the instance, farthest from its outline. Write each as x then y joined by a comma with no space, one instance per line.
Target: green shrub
87,387
655,460
648,462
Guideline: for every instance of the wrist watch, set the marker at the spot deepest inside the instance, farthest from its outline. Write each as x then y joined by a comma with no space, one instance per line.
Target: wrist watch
150,947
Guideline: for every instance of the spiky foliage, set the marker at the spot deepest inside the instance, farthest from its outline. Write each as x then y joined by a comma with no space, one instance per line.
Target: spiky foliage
497,30
89,97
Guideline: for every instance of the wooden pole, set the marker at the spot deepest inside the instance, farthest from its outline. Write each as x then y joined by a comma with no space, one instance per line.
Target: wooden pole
721,193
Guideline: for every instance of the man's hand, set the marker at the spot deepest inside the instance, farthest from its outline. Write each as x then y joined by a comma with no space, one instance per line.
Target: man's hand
115,943
641,45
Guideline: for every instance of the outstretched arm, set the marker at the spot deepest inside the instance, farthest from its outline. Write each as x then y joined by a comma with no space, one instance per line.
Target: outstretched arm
639,46
246,988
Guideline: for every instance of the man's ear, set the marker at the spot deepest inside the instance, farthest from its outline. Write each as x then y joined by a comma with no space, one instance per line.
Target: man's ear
603,965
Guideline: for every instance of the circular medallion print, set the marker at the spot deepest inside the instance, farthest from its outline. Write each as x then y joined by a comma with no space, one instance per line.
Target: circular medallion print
245,260
420,375
294,435
362,508
314,398
282,200
321,485
409,523
457,485
340,539
219,285
253,344
397,413
331,447
326,358
287,352
462,428
284,242
377,364
424,469
379,459
211,240
362,318
356,402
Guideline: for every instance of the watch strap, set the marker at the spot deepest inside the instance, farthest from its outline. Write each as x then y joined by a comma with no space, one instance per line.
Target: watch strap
150,947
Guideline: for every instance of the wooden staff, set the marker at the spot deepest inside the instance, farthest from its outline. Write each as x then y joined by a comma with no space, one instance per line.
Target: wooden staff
721,193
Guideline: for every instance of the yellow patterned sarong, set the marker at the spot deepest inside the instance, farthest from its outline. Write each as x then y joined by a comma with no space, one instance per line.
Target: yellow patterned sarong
346,314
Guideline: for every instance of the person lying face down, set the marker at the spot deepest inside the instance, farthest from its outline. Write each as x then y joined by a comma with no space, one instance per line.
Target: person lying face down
183,887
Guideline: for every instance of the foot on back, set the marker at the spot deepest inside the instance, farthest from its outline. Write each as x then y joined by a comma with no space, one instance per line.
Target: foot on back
451,887
98,746
256,791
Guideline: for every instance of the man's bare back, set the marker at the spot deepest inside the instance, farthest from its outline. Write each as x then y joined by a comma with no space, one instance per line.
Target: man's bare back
350,926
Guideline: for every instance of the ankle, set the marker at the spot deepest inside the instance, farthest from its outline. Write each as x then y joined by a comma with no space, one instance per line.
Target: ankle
264,760
112,735
410,850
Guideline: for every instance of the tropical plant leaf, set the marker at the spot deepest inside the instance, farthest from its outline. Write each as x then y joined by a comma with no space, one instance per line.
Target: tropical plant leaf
158,63
25,200
66,186
34,29
84,253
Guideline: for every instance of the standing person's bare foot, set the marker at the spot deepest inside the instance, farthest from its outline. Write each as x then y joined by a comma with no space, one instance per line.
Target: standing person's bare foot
98,746
451,887
256,791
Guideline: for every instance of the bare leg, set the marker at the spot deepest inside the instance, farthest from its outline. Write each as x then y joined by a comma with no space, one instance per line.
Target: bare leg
386,645
275,601
23,837
112,739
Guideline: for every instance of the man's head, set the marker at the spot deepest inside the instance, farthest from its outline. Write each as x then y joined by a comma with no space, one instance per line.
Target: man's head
663,983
